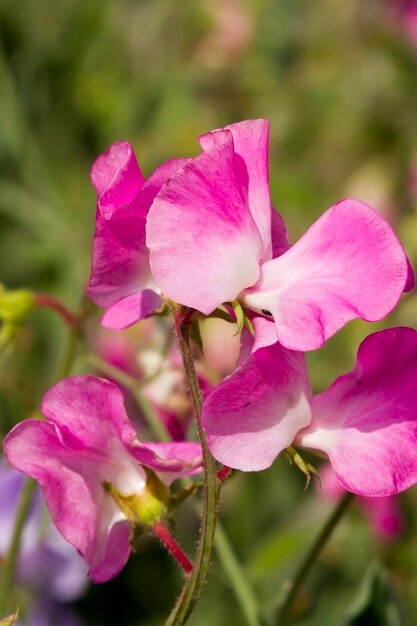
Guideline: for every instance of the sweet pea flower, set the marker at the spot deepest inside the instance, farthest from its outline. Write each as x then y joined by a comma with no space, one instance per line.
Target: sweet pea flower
121,280
383,514
214,238
365,423
88,462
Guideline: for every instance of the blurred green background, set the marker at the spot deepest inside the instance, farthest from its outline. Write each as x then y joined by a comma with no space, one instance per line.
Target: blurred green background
338,81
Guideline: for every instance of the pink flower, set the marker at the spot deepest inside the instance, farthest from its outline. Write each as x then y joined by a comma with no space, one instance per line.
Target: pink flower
365,423
121,279
383,514
214,237
86,447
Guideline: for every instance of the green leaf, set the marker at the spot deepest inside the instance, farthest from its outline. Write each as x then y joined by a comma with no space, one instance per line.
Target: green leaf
375,603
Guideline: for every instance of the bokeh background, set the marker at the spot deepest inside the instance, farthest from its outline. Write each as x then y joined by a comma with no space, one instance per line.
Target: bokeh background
338,81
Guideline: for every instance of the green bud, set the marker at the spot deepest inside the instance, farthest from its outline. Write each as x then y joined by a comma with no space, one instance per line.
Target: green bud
145,508
15,304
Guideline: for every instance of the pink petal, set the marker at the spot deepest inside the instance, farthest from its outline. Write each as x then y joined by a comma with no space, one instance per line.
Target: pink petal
203,241
120,263
256,412
131,309
250,139
366,422
74,496
348,265
90,408
279,235
91,411
116,177
118,269
188,452
410,277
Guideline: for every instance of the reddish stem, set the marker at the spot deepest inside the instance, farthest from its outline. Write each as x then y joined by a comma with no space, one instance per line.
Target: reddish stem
49,302
224,473
163,534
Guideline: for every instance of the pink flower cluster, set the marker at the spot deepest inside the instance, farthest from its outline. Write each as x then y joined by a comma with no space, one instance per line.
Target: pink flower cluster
202,232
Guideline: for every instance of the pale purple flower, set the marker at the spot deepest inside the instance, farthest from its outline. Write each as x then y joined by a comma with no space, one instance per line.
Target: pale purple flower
49,567
86,443
365,423
214,238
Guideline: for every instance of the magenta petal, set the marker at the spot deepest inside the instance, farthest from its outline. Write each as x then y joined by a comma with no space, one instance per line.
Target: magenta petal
366,422
120,263
131,309
116,555
409,285
92,408
188,452
67,473
348,265
279,235
250,139
204,245
256,412
116,177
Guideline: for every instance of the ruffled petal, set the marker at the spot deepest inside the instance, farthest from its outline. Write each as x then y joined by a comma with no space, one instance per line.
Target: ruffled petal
348,265
366,422
279,235
131,309
116,177
256,412
120,262
204,244
250,139
69,478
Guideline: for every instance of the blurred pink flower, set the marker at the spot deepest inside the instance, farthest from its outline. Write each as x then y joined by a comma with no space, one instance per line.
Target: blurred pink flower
384,514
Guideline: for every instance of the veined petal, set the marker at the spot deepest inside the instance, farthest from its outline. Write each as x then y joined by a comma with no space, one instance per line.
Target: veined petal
256,412
204,244
250,139
131,309
91,409
348,265
116,177
70,480
279,235
120,262
366,422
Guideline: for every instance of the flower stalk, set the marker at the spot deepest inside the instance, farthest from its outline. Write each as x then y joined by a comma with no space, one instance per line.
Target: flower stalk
194,584
160,530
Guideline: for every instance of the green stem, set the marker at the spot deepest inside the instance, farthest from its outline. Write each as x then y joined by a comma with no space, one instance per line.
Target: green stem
242,589
293,586
194,585
133,385
11,560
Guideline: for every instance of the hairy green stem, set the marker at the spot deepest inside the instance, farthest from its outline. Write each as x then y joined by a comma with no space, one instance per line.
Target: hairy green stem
293,586
194,585
11,560
224,550
133,385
